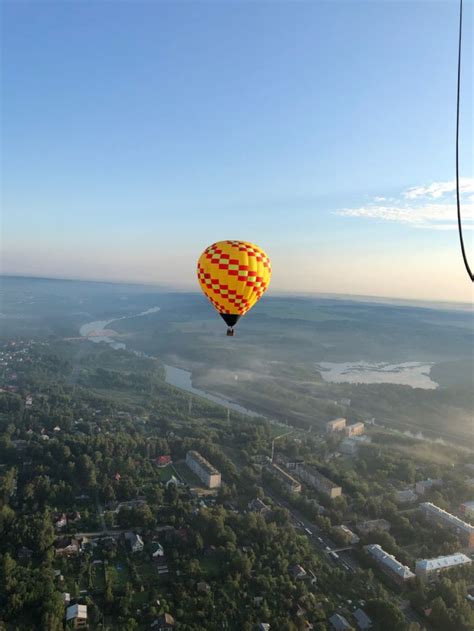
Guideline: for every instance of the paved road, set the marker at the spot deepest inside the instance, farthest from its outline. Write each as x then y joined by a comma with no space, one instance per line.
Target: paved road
344,560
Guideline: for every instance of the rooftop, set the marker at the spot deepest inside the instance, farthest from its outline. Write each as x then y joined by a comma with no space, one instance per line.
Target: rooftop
362,619
441,563
76,611
322,479
389,561
205,464
451,519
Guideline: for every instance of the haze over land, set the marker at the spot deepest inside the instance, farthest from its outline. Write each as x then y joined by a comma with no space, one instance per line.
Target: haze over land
277,363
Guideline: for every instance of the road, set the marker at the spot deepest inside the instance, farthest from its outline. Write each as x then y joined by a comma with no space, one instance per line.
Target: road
344,560
318,538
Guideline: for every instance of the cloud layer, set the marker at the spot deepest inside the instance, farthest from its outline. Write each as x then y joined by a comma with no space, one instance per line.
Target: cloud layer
431,206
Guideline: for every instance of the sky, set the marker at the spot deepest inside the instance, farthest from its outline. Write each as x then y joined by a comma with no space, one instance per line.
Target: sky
135,134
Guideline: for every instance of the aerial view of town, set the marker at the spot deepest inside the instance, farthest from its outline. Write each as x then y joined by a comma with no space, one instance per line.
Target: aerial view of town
236,315
128,502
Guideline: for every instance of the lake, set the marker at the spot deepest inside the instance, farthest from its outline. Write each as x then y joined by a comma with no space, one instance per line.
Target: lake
414,374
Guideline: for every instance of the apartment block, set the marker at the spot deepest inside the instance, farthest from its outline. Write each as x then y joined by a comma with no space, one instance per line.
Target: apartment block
430,569
204,470
389,565
337,425
318,481
288,481
463,530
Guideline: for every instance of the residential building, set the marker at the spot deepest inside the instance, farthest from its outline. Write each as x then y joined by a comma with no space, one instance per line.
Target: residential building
389,565
348,446
288,481
347,533
339,623
298,572
163,461
362,619
204,470
263,626
356,429
76,616
134,541
318,481
366,527
423,486
431,568
337,425
257,506
163,622
407,496
463,530
25,554
156,550
467,509
67,546
61,521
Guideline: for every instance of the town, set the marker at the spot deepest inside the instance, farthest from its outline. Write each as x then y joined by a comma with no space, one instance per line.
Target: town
139,511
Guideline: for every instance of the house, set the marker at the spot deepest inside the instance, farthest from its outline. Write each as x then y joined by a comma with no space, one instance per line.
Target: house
66,598
298,572
163,622
362,619
339,623
337,425
73,516
407,496
61,521
257,506
348,446
366,527
356,429
157,550
347,534
163,461
467,509
263,626
67,546
203,587
134,541
24,554
423,486
76,616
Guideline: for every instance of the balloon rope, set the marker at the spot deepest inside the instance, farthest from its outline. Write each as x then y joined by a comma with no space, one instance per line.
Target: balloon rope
466,263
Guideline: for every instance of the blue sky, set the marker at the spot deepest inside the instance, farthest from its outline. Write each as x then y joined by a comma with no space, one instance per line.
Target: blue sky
135,134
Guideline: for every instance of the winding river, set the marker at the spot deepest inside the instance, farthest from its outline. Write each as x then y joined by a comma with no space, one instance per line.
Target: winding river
100,331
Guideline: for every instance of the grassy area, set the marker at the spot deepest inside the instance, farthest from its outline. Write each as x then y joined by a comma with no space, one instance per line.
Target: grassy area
186,474
210,567
165,473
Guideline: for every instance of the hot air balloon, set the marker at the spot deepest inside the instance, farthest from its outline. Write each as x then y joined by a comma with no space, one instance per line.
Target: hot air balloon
233,275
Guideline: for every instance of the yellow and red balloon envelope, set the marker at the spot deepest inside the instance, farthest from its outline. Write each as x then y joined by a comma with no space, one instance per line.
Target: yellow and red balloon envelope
233,275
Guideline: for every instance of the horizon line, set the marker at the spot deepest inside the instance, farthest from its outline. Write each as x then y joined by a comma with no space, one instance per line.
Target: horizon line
446,304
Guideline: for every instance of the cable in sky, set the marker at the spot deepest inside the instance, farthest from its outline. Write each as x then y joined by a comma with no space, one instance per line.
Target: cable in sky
458,201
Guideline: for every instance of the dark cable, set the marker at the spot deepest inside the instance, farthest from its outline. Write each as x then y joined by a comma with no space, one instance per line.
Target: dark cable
466,263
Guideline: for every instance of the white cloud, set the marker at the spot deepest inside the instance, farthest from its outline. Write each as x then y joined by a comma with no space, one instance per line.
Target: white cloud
416,207
438,189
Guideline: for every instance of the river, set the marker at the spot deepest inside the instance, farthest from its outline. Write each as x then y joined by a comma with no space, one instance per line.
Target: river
99,331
